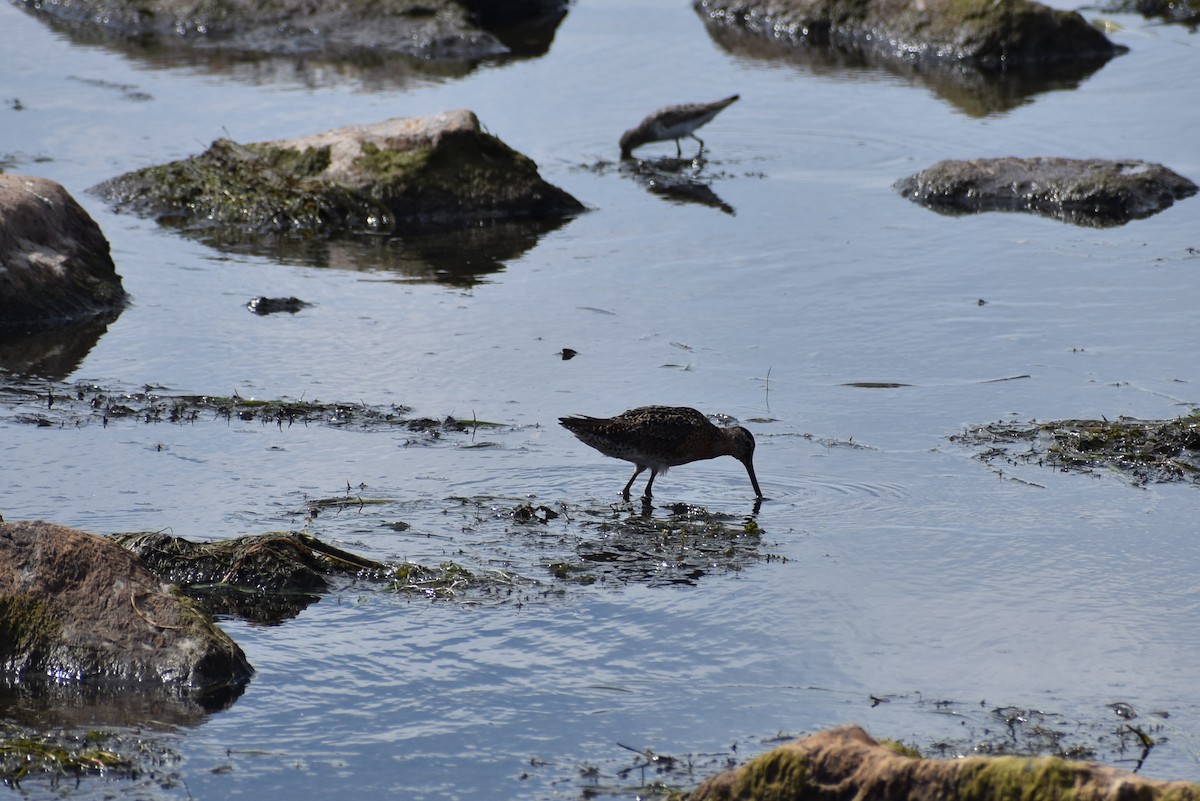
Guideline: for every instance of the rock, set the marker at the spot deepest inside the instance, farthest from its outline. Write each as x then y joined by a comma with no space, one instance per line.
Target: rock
266,578
56,267
79,609
846,763
1184,12
974,91
399,175
981,33
1091,192
263,306
428,29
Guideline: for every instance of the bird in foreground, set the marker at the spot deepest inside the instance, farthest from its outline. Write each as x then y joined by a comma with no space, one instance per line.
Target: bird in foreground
672,122
661,437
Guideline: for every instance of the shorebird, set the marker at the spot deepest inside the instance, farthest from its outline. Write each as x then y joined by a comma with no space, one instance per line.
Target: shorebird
661,437
672,122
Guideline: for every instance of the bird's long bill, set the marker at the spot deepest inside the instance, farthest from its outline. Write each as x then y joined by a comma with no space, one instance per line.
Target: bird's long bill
753,480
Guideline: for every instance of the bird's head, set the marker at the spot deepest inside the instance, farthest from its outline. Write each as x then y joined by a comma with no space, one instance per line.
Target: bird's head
631,139
741,447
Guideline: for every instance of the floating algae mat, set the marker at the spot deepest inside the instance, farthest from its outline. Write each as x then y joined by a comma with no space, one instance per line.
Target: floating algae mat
29,752
1144,451
65,405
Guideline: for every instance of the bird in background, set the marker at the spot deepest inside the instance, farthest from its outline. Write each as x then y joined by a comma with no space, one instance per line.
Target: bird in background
672,122
662,437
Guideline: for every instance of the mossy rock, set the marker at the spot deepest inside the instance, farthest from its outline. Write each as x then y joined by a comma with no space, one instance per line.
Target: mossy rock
396,176
846,763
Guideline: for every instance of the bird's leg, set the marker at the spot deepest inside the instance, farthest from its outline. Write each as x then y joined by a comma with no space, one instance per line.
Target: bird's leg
637,471
678,150
650,483
698,139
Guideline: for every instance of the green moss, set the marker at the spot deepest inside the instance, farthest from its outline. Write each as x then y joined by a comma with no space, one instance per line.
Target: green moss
774,776
567,571
443,581
27,625
897,747
256,187
20,756
195,619
309,162
393,166
1016,778
468,170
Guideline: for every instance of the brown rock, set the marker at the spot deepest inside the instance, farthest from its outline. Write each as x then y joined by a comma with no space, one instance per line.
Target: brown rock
78,608
55,262
845,763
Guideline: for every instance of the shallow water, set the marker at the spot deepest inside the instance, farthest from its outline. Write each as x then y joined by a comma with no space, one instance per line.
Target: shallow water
910,570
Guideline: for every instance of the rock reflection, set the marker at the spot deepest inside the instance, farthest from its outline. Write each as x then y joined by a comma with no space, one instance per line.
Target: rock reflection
308,46
459,258
53,353
973,91
27,701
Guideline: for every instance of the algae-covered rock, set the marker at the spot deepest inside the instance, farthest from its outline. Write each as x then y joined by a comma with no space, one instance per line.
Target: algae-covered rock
846,763
394,176
266,578
77,608
990,35
1090,192
55,266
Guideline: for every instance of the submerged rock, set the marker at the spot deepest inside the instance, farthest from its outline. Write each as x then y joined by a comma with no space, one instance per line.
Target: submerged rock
846,763
394,176
55,266
266,578
263,306
1091,192
76,608
981,33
